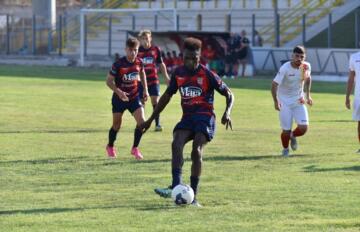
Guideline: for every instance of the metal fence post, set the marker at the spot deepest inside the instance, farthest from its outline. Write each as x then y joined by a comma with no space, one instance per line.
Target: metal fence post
199,22
49,39
228,22
7,34
304,29
34,34
329,32
60,35
133,22
156,22
253,29
357,31
277,30
177,22
85,35
110,34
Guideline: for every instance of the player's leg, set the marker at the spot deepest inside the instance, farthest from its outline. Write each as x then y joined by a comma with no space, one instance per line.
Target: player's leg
110,149
180,138
154,91
302,119
285,117
139,117
356,116
199,142
118,108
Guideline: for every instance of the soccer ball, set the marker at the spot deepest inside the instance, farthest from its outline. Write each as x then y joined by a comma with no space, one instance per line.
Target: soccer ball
182,194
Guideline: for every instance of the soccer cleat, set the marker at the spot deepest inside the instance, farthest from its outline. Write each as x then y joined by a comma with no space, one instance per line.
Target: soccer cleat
158,128
163,192
285,152
136,153
111,152
195,203
293,143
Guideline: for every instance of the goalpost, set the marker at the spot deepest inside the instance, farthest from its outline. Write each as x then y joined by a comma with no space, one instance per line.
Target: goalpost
164,19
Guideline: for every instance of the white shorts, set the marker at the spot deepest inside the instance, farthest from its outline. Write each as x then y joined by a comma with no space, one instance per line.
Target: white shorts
356,110
297,112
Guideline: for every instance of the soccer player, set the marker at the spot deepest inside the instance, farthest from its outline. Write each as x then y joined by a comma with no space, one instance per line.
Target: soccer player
288,94
196,85
151,56
354,75
123,81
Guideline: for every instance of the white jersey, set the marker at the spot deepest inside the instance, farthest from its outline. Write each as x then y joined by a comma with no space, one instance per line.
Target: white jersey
291,83
354,65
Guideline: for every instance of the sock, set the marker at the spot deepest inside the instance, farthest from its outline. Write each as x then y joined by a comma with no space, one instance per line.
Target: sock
194,181
285,137
137,137
297,132
176,176
112,137
359,137
157,119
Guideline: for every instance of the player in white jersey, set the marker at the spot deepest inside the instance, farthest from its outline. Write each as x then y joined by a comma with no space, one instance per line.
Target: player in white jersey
354,76
289,98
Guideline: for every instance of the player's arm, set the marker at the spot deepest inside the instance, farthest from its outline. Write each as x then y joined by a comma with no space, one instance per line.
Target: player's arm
110,82
163,101
349,89
307,88
274,88
144,84
163,70
226,120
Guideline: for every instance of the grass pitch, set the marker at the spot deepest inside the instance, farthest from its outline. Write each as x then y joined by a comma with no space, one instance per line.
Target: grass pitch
54,175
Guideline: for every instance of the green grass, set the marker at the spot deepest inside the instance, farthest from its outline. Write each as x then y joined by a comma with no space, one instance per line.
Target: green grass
54,175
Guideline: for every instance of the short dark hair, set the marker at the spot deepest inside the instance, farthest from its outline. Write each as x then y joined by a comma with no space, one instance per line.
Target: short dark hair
132,42
192,44
299,49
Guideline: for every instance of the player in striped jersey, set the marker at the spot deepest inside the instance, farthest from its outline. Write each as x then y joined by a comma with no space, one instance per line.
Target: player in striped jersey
196,85
151,56
123,80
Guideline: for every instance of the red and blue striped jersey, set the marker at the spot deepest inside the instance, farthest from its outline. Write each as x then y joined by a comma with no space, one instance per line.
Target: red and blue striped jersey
196,89
127,75
151,57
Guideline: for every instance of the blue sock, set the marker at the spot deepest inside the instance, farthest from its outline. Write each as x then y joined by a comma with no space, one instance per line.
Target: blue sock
137,137
176,176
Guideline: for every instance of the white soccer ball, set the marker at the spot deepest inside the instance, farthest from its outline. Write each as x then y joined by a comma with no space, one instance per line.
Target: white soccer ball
182,194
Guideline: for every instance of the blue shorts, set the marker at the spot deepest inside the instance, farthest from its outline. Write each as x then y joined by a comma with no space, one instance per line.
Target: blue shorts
198,123
119,106
154,90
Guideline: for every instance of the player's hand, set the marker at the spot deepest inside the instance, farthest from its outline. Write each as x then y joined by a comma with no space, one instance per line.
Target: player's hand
122,95
226,120
309,101
277,105
347,103
144,126
145,96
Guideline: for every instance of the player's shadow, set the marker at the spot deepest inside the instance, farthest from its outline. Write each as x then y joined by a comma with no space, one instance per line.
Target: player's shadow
314,168
56,210
53,131
52,160
242,158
